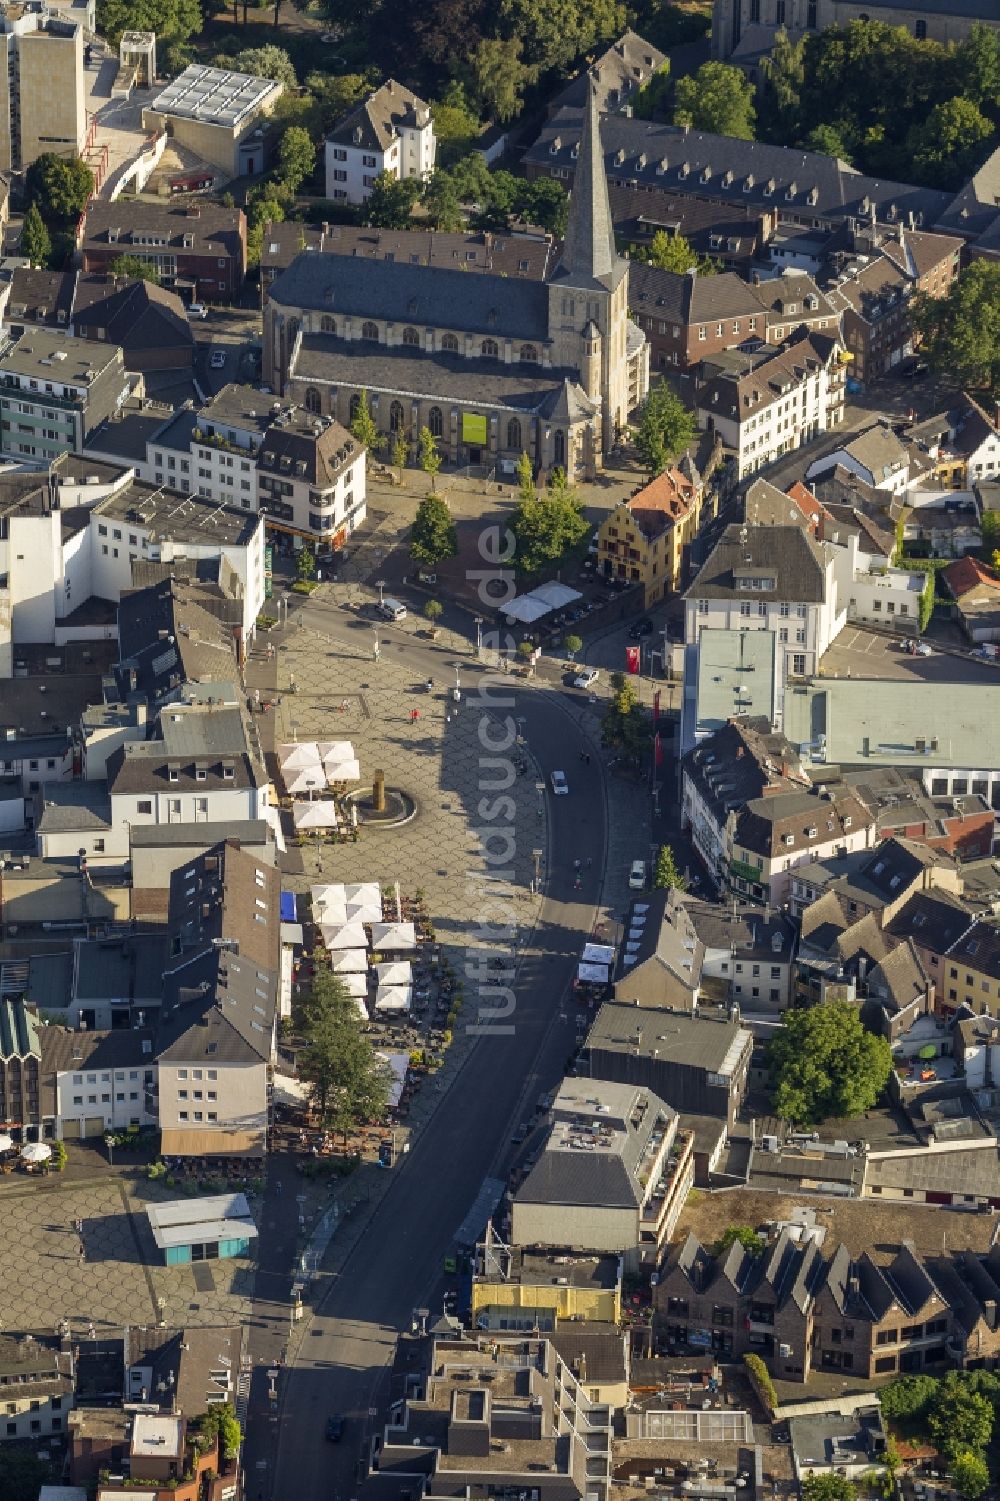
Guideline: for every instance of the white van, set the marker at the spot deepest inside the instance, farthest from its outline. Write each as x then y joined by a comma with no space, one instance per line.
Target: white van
392,609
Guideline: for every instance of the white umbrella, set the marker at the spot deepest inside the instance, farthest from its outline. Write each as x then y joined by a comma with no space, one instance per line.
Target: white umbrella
359,1001
365,893
298,753
394,935
308,779
399,972
344,935
350,962
393,998
343,771
332,751
6,1142
370,912
332,891
36,1151
318,815
354,984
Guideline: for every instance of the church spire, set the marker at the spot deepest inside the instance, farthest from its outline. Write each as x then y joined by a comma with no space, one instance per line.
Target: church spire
588,252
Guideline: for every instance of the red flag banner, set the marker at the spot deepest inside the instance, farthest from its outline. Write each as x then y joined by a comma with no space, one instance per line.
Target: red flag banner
633,657
656,707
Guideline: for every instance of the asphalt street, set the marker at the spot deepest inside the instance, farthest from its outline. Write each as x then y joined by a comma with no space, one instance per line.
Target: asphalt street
396,1264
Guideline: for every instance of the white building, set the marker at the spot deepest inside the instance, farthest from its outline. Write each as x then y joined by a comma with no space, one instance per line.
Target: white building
876,456
869,592
767,403
769,578
391,131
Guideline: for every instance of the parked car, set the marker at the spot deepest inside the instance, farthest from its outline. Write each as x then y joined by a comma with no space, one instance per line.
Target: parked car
637,875
197,310
335,1427
643,627
913,369
587,678
560,786
218,360
922,649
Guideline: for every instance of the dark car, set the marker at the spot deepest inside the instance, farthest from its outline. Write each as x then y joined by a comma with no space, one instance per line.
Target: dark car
913,369
643,627
335,1428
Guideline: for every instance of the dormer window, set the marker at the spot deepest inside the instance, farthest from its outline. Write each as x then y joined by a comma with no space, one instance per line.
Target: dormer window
173,775
201,773
769,187
748,183
556,146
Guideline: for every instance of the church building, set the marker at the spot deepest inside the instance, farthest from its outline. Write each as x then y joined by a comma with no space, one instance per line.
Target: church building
495,366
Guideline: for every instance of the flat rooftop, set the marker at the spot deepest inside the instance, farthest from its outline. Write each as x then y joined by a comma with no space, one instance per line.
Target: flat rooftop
241,406
180,517
216,96
49,355
677,1038
182,1222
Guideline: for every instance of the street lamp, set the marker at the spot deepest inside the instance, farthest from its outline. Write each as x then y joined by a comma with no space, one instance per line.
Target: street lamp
109,1142
479,636
376,649
540,789
380,586
3,867
282,605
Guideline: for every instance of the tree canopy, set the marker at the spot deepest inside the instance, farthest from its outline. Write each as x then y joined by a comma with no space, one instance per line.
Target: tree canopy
172,20
718,98
433,536
666,428
546,528
266,62
961,331
828,1487
296,157
625,726
347,1081
59,185
970,1473
666,874
36,245
744,1235
390,203
135,268
221,1419
825,1064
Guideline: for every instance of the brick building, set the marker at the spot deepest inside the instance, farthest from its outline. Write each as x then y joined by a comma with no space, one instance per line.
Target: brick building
199,250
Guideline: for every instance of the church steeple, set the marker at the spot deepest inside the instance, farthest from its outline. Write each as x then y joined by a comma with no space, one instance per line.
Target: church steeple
588,253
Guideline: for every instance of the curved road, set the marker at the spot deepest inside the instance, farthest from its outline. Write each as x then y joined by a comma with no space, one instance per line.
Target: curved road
396,1264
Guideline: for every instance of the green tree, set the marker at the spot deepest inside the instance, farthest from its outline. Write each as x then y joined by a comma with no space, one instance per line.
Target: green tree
573,644
977,67
22,1474
456,125
961,331
556,32
135,268
390,204
305,564
172,20
780,97
745,1235
546,528
433,610
666,874
970,1473
220,1420
959,1419
947,146
498,77
989,525
266,62
666,428
668,252
347,1081
829,140
268,209
333,95
61,186
544,202
36,245
828,1487
400,449
908,1397
624,726
430,459
651,100
433,536
442,204
526,478
363,426
296,157
718,98
825,1064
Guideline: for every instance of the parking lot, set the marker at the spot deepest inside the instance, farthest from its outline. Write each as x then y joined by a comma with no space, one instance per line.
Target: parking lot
862,653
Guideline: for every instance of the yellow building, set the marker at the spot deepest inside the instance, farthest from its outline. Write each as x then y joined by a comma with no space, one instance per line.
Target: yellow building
514,1288
643,539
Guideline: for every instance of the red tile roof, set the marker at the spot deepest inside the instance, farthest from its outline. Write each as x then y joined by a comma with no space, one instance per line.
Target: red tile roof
968,573
666,499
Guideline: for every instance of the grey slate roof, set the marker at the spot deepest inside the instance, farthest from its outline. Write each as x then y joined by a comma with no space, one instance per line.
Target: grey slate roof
523,388
347,286
634,149
120,969
794,558
375,122
68,806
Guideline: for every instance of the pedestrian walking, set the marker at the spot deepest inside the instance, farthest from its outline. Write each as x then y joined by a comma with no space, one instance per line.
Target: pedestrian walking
80,1251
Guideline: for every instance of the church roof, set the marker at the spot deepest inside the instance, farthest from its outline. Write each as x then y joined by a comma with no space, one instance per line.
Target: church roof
437,296
589,257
